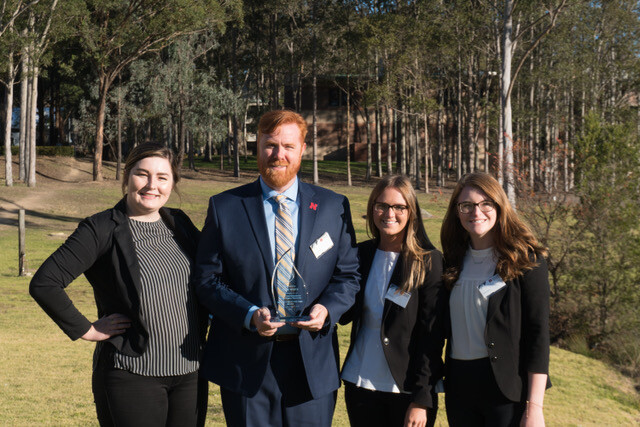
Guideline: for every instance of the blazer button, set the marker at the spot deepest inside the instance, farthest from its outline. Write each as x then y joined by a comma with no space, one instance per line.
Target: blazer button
494,358
492,344
385,341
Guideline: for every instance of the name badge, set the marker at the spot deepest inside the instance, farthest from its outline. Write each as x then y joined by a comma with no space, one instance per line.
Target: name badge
492,285
322,245
396,296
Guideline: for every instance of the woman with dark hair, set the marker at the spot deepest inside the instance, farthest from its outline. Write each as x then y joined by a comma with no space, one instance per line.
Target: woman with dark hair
137,256
497,361
395,356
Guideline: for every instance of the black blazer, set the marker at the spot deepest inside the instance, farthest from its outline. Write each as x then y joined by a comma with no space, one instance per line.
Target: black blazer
102,248
412,337
517,331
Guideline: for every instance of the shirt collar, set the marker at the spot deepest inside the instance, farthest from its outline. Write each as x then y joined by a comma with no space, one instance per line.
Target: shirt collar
291,193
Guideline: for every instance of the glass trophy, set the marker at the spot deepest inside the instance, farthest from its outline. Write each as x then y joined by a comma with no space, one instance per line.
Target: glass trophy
295,300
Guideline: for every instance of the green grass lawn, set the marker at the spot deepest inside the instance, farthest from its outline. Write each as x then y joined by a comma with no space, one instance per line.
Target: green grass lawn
45,379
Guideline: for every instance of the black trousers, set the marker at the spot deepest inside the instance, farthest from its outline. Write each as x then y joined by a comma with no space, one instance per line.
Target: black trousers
126,399
378,408
473,398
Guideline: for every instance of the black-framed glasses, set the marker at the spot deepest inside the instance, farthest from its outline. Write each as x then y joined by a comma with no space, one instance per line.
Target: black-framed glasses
383,207
468,207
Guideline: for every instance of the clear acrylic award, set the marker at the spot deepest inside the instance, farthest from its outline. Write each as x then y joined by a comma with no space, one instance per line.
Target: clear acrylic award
295,299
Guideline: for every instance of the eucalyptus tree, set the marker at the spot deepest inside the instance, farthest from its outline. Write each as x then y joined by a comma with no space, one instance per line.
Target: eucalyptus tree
37,31
525,22
114,34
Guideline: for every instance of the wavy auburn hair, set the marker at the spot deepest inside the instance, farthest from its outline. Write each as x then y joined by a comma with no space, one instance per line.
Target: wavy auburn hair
416,248
513,240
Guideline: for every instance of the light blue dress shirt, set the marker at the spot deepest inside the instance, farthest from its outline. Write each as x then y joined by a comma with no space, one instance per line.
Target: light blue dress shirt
270,211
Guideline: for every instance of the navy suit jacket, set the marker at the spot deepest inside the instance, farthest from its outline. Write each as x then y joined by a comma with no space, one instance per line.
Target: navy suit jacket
233,273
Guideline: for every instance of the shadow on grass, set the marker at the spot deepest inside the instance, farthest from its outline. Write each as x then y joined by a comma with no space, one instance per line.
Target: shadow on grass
10,216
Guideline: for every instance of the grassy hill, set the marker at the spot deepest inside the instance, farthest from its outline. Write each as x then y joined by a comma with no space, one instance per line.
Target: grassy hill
45,378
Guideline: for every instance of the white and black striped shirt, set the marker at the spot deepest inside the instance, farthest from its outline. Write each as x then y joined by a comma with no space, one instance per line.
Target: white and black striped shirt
167,304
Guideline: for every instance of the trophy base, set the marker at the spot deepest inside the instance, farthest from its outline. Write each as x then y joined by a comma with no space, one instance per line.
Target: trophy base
289,319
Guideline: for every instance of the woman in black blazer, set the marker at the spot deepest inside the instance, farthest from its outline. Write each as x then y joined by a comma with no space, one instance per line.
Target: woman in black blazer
395,356
497,362
137,256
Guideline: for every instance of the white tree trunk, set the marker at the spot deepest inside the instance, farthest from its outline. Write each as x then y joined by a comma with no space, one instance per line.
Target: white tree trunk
24,106
8,170
33,107
507,131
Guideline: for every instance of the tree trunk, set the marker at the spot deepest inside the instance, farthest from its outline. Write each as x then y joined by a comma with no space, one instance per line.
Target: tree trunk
236,151
378,116
427,154
8,104
348,132
191,151
24,106
418,158
507,123
367,123
119,136
102,106
33,85
440,165
389,147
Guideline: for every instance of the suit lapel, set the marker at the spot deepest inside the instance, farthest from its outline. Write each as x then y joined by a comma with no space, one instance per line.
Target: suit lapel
254,209
124,240
495,300
308,210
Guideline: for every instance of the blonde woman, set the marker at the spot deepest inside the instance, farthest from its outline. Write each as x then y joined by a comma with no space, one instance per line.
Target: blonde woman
397,336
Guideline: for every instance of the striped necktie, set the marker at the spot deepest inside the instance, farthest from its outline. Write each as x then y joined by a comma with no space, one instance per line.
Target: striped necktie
285,282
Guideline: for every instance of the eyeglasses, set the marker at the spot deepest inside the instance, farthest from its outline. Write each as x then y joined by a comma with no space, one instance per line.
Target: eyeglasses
383,207
468,207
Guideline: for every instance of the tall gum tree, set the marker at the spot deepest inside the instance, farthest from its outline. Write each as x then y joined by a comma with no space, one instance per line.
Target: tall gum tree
510,39
116,33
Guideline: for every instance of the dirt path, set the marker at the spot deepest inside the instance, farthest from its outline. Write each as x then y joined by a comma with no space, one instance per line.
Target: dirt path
54,175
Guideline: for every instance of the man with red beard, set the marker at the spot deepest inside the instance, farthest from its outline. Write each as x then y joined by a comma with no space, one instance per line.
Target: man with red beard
273,372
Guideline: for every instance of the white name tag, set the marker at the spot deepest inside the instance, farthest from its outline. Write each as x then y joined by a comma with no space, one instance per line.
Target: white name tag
492,285
396,296
322,245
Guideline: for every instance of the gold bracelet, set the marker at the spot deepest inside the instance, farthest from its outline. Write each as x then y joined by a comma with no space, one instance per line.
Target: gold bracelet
526,411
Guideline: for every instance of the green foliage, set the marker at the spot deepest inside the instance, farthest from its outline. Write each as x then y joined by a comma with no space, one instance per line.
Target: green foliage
594,242
607,258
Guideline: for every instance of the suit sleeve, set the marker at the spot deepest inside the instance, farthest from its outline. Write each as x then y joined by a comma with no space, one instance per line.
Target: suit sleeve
340,293
213,293
535,318
430,334
69,261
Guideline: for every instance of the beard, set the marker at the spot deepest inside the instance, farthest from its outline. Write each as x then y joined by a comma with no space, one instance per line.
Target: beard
274,178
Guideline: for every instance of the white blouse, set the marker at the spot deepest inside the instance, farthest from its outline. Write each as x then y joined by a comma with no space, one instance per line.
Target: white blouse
468,307
367,366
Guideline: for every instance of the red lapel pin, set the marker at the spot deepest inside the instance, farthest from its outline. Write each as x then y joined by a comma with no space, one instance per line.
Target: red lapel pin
313,206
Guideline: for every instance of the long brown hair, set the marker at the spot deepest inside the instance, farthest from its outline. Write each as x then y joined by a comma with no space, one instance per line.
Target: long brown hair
416,247
513,240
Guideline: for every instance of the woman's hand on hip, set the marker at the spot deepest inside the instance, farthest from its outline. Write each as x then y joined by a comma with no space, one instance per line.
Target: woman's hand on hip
106,327
416,416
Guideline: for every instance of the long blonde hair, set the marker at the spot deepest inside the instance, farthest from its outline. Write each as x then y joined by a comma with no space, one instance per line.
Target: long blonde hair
513,240
416,247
